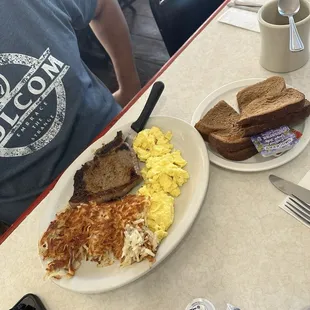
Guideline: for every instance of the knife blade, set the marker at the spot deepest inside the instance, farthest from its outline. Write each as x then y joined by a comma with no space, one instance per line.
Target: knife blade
290,188
141,121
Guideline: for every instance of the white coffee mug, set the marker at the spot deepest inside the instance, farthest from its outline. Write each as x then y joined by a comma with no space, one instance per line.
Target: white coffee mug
275,53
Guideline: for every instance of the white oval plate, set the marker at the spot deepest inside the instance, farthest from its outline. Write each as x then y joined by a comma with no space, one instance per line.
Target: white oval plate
90,279
256,163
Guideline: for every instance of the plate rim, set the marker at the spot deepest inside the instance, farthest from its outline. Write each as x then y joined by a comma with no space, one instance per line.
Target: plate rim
199,194
249,167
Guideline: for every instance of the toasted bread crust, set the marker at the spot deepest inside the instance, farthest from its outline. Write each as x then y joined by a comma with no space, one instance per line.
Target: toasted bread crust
230,141
290,119
269,87
240,155
220,117
269,108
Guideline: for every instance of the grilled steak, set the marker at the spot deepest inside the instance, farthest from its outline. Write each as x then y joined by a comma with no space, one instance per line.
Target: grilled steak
112,173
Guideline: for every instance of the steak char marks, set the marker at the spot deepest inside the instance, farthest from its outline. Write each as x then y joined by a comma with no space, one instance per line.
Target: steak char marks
112,173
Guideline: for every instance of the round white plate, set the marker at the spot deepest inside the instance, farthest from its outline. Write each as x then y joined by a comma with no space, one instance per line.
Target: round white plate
257,162
89,278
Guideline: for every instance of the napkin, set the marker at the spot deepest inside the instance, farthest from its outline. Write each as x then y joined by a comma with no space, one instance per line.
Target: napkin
241,18
305,182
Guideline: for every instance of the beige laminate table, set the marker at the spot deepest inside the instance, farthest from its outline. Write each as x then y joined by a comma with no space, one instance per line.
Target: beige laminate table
242,249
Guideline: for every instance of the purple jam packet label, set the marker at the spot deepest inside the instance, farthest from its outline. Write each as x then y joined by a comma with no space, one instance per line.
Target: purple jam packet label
274,142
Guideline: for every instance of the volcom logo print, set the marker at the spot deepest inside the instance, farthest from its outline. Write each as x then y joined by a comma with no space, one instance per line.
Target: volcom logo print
33,110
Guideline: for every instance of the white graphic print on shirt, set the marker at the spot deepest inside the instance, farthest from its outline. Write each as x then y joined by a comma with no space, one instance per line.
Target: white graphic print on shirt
31,112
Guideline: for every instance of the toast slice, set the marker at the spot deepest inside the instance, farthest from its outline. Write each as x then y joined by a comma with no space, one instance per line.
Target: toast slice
289,119
269,87
221,117
266,109
231,140
219,127
240,155
112,173
229,133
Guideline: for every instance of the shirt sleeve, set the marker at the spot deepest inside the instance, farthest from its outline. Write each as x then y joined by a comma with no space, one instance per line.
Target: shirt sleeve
81,12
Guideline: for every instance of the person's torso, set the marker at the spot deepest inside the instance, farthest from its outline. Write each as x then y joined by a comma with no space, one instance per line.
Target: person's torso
51,106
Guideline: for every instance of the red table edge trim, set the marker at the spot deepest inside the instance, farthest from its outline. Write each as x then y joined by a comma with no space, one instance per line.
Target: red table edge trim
110,125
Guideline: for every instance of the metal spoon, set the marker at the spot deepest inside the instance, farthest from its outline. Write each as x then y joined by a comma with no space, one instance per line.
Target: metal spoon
289,8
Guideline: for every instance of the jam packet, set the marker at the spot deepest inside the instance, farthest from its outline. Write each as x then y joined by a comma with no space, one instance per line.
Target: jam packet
276,141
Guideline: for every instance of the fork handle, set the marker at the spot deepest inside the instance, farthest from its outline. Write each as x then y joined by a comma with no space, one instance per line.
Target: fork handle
296,44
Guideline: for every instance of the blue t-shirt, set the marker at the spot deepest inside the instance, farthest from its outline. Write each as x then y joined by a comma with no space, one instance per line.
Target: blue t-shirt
51,105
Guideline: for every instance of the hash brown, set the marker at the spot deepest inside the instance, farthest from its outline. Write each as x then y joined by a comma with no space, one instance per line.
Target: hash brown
98,232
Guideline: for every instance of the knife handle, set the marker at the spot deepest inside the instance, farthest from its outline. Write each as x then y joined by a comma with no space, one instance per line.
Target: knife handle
156,91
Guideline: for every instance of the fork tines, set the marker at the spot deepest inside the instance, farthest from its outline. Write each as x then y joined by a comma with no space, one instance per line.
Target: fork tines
300,209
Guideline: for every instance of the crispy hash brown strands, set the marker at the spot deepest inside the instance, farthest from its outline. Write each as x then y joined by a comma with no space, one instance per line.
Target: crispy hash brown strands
100,233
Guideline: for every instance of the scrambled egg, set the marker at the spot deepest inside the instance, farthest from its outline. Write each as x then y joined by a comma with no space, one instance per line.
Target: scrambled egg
161,214
163,175
152,142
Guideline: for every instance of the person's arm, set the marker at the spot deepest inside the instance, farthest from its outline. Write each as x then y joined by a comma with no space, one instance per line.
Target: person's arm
110,27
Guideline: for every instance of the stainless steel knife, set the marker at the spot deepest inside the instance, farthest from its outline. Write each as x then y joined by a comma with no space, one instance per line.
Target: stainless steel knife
139,124
290,188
